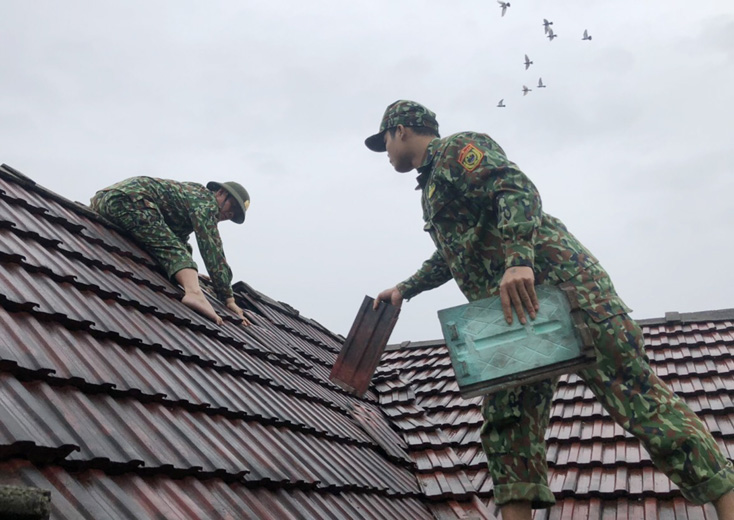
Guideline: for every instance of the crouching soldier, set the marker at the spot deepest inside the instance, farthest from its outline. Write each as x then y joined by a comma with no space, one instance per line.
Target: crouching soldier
161,214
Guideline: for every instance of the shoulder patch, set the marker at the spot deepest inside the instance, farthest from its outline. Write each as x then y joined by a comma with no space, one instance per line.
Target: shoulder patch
470,157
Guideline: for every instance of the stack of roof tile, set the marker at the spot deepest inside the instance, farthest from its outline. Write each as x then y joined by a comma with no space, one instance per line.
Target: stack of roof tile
597,470
126,404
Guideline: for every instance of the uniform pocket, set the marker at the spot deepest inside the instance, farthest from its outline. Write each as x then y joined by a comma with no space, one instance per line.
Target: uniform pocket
436,208
596,294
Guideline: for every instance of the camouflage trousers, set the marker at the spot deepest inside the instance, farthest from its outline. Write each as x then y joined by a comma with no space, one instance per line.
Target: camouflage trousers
144,221
515,421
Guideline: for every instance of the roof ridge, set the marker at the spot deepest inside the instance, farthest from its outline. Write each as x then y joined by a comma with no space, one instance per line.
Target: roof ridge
9,173
405,345
690,317
283,307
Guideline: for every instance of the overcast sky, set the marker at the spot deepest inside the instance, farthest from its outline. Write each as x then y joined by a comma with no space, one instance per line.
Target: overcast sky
631,144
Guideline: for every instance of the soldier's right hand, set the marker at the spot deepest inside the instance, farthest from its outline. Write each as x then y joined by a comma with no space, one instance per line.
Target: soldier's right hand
517,289
392,296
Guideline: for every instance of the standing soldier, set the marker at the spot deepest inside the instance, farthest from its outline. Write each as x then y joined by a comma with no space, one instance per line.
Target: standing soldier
161,214
492,237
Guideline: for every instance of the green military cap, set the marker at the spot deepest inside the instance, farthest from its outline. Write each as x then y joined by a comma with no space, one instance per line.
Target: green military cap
402,112
238,193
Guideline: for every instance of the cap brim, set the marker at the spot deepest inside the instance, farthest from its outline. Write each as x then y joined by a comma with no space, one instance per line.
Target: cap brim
239,218
376,142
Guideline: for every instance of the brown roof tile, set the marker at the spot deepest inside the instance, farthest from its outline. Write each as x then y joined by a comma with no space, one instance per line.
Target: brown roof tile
128,405
597,470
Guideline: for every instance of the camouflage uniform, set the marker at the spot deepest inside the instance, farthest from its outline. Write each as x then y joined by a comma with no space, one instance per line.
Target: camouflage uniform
161,214
485,216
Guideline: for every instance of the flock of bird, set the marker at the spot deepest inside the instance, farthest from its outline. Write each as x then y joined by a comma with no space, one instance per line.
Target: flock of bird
550,34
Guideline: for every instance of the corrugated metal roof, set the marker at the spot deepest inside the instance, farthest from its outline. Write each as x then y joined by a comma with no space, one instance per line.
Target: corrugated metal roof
126,404
596,469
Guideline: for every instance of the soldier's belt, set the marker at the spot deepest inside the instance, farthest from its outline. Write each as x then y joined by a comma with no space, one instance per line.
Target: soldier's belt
488,355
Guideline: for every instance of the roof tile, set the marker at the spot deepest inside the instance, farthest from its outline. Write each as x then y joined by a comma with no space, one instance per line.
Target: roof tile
596,468
105,374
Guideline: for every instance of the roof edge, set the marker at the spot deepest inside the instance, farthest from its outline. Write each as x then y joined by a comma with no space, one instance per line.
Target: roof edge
690,317
406,345
11,174
285,308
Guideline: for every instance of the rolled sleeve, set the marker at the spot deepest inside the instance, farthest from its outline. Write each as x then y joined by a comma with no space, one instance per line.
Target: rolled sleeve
211,248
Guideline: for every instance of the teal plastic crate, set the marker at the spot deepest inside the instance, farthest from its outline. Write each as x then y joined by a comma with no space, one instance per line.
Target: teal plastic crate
488,354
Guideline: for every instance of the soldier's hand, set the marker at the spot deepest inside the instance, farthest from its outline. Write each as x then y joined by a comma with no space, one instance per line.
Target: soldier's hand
517,289
231,305
392,296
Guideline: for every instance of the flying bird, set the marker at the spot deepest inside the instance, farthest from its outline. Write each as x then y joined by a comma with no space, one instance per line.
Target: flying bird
551,34
503,6
501,104
546,25
525,90
586,35
540,83
527,62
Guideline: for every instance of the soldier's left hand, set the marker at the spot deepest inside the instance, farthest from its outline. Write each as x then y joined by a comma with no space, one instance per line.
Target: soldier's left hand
231,305
517,289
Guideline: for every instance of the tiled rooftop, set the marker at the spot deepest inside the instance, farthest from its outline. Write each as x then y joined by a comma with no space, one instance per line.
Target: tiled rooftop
126,404
597,470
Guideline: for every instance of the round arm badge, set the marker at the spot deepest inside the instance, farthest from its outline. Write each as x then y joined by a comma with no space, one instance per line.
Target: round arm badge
470,157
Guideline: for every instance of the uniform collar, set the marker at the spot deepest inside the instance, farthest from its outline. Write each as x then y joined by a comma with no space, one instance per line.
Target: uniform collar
424,170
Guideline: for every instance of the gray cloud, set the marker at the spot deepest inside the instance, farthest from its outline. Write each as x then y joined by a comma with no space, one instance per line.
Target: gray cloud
630,144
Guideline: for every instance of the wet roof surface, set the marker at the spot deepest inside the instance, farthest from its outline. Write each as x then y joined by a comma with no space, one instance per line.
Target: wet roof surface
596,469
126,404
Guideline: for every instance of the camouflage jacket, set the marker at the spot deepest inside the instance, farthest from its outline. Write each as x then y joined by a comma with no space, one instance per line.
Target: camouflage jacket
186,207
484,216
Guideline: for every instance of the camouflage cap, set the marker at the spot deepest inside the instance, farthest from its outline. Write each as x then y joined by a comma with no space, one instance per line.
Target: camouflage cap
238,193
402,112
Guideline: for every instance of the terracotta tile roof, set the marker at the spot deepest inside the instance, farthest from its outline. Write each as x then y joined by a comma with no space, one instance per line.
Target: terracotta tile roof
596,469
126,404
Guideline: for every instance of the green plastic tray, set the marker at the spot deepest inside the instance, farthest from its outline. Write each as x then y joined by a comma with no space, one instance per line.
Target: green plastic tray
488,354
